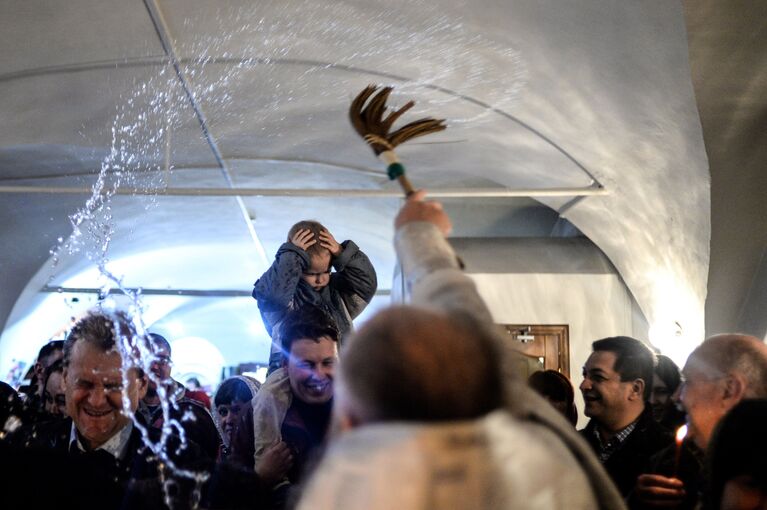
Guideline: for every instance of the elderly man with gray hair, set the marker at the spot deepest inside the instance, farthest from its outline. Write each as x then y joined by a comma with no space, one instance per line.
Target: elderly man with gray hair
720,373
427,412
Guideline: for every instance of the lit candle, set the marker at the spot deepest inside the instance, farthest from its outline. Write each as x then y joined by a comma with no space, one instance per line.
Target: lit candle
680,435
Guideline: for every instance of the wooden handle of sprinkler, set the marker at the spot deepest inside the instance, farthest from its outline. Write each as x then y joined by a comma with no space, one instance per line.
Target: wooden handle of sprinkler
404,183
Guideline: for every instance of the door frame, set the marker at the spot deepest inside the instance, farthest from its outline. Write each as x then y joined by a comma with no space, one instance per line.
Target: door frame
560,362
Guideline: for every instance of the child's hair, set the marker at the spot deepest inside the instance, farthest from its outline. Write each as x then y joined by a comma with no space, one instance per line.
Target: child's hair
316,227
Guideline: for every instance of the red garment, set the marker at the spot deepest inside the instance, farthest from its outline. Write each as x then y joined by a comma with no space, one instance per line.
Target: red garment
199,396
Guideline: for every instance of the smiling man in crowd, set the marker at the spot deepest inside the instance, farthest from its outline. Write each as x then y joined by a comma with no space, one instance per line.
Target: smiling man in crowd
53,394
33,396
93,385
291,411
616,386
96,458
49,354
189,414
98,442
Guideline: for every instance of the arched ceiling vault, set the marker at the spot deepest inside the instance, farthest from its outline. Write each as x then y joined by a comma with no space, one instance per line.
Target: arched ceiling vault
594,97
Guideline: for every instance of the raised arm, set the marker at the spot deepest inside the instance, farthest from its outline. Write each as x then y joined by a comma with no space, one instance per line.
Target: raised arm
432,273
433,279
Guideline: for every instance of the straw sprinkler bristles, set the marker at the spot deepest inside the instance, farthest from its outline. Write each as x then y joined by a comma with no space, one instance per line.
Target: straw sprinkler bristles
368,120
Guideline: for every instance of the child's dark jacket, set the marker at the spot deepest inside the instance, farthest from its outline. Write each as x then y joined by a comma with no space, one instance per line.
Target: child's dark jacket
281,288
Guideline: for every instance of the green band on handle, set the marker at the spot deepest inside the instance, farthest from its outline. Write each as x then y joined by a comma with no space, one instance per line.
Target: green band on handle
395,170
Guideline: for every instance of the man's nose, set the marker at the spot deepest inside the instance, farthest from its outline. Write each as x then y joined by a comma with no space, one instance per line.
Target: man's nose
322,372
585,385
97,397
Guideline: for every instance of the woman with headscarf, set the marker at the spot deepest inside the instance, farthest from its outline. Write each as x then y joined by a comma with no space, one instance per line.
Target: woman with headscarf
231,400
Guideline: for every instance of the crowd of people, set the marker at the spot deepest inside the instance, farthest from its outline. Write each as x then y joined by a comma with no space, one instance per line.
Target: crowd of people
420,408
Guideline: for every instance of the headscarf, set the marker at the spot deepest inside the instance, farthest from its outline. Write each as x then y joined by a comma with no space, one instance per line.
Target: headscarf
252,384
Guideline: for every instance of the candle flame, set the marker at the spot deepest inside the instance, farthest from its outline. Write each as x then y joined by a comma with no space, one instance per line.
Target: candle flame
681,433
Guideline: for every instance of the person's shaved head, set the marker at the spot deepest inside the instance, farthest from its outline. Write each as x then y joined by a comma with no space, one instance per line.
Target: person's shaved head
719,373
411,364
732,353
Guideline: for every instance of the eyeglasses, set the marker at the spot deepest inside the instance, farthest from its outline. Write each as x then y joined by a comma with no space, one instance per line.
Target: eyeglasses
162,360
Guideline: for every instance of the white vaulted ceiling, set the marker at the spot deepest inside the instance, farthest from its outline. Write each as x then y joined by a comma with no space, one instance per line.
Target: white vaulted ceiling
202,96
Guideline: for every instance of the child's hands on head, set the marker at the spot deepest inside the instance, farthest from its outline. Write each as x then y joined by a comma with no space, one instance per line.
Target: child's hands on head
328,241
304,238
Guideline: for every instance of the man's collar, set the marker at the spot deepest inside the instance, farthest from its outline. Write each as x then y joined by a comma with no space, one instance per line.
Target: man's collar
611,432
619,436
605,449
116,445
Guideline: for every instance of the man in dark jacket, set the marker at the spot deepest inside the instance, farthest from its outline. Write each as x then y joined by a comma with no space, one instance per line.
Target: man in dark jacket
97,456
32,397
616,385
190,414
290,415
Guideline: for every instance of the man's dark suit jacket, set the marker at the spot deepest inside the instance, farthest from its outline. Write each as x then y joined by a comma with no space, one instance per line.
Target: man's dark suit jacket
40,468
632,457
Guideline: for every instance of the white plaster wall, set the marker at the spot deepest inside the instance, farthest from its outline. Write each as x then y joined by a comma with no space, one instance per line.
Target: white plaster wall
592,305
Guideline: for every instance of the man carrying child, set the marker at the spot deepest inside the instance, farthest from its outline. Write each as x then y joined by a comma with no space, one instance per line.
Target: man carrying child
302,275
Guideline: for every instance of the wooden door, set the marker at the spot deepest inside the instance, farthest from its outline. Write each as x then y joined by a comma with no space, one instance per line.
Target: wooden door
543,347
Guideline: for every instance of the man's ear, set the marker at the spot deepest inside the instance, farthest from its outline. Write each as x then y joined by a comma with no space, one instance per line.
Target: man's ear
64,380
347,421
348,414
734,389
347,417
142,382
637,389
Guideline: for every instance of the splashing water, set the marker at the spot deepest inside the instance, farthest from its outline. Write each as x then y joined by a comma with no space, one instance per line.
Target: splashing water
439,59
141,122
426,54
